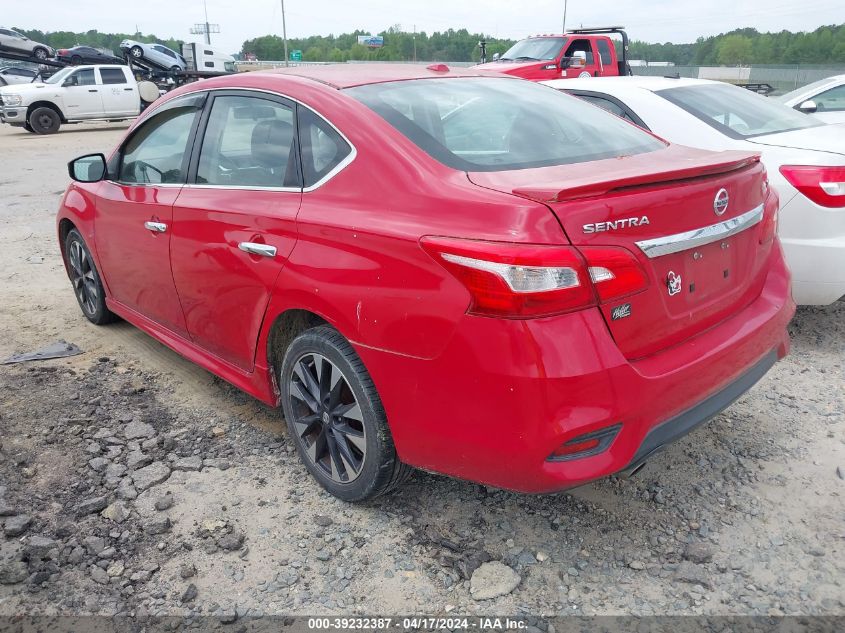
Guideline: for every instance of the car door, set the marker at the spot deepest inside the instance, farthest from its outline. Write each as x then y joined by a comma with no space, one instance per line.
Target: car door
584,45
135,212
119,97
234,224
81,94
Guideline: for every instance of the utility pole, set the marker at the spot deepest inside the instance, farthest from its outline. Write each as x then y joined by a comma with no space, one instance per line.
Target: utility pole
207,26
563,30
415,42
285,33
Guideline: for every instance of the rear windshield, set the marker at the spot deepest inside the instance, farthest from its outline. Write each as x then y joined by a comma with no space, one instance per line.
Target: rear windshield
498,124
737,112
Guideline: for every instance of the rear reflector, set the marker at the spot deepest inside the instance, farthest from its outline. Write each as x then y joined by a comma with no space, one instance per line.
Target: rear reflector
823,185
614,271
585,445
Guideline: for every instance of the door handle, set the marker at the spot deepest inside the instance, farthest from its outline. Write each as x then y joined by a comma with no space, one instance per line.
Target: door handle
264,250
92,90
155,227
128,89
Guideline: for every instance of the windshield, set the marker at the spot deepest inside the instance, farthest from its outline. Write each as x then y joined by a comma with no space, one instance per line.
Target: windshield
535,48
60,76
737,112
798,92
493,124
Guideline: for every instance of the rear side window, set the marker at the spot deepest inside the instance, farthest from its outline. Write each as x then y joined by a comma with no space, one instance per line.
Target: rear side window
156,152
112,76
323,148
604,52
248,142
481,124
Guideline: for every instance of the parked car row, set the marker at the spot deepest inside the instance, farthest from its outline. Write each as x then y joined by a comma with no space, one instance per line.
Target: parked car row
436,268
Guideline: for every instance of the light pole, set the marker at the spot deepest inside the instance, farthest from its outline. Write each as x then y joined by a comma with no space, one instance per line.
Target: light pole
284,32
563,30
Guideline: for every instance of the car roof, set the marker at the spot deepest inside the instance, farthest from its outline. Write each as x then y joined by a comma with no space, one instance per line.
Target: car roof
652,84
348,75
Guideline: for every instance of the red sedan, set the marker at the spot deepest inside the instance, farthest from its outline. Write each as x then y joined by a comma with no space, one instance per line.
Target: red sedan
456,271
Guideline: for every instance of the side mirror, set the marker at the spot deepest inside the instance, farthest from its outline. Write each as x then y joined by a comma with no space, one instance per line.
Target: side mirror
576,62
70,81
496,57
808,107
88,168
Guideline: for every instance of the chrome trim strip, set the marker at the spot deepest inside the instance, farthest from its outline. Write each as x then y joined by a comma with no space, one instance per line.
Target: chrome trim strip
699,237
338,168
242,187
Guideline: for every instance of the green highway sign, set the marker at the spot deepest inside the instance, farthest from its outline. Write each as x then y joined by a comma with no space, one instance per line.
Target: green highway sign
296,56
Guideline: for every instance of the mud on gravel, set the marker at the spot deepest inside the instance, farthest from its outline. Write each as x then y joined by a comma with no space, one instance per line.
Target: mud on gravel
133,483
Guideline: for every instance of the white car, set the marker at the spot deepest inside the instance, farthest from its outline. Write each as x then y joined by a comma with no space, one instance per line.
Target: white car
13,41
156,55
825,99
10,75
804,157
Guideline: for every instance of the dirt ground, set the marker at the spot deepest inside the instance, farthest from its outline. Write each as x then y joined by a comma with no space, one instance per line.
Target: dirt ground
132,482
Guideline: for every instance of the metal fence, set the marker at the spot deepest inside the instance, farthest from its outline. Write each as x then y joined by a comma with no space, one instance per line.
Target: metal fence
781,78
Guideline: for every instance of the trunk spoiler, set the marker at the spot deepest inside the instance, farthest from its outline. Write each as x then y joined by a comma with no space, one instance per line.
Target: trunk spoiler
635,172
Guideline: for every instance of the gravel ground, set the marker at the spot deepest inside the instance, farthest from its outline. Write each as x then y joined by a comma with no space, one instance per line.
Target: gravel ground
132,482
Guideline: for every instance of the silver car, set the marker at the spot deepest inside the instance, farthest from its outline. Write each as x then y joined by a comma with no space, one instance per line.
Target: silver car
11,75
154,54
825,99
13,41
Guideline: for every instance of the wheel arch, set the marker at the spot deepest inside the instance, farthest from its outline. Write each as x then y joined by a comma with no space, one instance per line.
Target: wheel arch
285,327
45,104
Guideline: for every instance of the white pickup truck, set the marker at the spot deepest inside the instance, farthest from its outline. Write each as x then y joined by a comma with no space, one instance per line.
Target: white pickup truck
72,95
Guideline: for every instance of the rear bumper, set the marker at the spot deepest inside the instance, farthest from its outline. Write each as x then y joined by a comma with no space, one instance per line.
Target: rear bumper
504,395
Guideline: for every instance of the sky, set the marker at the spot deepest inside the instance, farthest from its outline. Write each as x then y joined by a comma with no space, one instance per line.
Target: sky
677,21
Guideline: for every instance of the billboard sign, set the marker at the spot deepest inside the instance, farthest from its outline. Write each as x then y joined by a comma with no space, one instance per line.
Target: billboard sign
373,41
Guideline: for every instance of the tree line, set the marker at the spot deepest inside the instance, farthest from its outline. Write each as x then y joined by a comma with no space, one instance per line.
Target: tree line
825,45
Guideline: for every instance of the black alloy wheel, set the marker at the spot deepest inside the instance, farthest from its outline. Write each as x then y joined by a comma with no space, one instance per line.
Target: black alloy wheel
328,418
85,279
336,418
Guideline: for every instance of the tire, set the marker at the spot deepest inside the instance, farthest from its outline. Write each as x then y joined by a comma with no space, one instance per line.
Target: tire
28,128
76,60
44,121
87,286
348,419
176,70
40,52
137,52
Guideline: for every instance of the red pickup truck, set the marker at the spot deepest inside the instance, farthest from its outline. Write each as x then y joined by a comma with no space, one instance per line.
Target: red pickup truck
577,53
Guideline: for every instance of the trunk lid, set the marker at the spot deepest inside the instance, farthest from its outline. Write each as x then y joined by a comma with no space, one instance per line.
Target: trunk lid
702,266
824,138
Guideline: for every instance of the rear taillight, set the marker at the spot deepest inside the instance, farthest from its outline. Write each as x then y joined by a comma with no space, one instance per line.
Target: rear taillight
515,280
614,271
823,185
530,280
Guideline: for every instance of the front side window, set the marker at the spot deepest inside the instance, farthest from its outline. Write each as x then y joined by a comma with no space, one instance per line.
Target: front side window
112,76
832,100
737,112
248,142
481,124
581,46
85,77
156,153
534,49
323,148
59,77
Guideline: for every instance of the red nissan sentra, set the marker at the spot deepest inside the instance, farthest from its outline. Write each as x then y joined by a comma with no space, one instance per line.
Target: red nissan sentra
470,274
